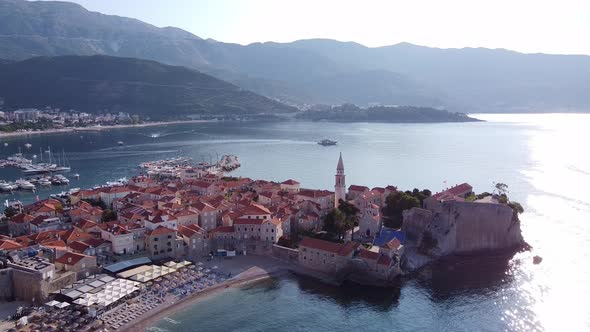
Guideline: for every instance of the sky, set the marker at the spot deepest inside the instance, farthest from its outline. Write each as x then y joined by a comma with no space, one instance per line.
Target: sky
530,26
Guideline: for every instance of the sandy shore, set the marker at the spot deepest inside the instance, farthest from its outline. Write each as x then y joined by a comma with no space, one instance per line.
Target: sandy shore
253,274
98,128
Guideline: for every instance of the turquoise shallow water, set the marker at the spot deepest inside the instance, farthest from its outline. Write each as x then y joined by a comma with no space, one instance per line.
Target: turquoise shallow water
543,158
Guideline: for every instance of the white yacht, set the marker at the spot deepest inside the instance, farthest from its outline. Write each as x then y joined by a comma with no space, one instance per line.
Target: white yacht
5,186
24,184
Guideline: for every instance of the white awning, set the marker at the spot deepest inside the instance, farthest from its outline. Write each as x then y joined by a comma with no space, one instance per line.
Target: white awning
62,305
52,303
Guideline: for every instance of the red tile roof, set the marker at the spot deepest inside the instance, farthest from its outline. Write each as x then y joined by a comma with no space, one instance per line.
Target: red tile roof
315,193
222,229
255,209
9,245
95,242
190,230
79,246
160,230
22,218
246,221
71,258
336,248
85,224
394,244
358,188
454,191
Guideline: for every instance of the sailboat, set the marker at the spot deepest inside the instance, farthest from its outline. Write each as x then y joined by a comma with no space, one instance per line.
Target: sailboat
63,167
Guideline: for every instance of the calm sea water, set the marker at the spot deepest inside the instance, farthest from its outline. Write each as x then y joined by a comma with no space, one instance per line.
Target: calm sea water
543,158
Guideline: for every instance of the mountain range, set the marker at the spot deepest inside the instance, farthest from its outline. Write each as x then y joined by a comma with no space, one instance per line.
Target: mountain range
311,71
148,88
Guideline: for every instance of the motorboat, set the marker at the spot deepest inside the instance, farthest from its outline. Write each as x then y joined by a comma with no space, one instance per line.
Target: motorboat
5,186
327,142
24,184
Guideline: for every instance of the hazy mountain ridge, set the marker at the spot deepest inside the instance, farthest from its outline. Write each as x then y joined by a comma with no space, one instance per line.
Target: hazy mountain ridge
103,83
312,71
28,30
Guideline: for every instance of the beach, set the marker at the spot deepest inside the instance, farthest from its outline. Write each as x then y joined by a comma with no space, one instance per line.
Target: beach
99,128
245,270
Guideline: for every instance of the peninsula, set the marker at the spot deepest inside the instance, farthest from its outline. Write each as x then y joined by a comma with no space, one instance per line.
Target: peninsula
123,255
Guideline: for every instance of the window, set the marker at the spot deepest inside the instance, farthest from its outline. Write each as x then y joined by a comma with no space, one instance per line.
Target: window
156,239
272,230
169,236
155,247
169,244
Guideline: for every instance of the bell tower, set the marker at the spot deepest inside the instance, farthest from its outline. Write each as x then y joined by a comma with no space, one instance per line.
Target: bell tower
340,186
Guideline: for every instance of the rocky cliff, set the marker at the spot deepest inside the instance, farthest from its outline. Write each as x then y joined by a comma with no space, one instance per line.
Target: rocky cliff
453,227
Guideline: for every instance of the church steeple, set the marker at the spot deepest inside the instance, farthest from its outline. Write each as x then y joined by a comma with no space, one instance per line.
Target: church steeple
340,185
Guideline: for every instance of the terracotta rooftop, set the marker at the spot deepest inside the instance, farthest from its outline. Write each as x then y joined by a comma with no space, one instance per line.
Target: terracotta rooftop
255,209
358,188
22,218
454,191
160,230
336,248
71,258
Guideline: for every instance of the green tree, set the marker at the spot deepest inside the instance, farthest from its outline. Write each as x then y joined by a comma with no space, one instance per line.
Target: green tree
516,207
351,216
334,223
396,203
10,212
501,188
428,243
108,215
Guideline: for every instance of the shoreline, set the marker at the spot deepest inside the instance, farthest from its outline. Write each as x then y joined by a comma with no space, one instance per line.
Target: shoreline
99,128
149,319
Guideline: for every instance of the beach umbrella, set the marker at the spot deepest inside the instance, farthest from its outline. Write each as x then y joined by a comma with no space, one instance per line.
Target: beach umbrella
51,303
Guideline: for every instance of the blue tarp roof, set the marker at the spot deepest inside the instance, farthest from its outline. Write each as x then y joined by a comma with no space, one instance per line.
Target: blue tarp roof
124,265
387,235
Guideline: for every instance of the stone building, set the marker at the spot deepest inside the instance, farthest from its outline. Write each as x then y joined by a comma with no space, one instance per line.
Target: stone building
325,256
